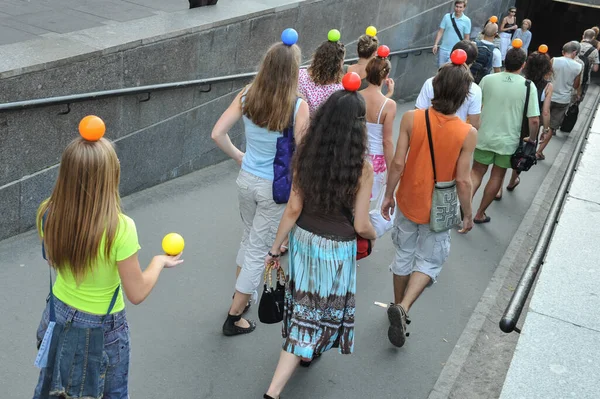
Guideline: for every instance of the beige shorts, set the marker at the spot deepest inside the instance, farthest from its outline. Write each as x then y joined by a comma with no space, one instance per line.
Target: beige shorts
261,216
418,248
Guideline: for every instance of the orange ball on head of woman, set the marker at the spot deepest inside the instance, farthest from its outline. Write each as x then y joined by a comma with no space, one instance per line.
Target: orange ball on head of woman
517,43
543,49
92,128
493,19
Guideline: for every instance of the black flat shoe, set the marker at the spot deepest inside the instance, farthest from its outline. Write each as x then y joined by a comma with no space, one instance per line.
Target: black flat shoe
230,329
265,396
304,363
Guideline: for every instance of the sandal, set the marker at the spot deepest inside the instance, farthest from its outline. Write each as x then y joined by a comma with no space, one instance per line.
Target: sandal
230,329
512,188
265,396
539,156
480,221
397,331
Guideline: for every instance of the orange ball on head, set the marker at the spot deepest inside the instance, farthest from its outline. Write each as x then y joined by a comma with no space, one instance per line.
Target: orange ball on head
517,43
543,49
493,19
92,128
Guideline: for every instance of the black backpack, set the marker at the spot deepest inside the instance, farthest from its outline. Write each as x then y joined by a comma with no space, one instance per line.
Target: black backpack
483,63
586,65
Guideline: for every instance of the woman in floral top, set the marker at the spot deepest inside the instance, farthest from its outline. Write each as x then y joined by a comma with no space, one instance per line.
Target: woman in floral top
324,76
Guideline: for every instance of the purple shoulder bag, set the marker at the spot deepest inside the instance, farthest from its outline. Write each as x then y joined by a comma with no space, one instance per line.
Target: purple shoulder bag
282,165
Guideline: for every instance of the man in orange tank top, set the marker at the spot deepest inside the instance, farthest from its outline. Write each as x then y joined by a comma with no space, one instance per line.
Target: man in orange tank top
421,252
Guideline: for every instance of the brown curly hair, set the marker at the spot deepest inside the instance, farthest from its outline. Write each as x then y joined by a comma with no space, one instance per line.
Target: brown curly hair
367,45
326,66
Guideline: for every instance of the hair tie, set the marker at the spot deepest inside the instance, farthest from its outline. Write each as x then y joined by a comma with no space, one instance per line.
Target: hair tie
383,51
458,57
543,49
92,128
334,35
371,31
351,81
517,43
289,37
493,19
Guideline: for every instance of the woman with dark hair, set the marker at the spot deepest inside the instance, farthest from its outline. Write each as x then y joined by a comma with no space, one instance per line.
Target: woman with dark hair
507,29
380,121
324,75
266,107
332,182
538,69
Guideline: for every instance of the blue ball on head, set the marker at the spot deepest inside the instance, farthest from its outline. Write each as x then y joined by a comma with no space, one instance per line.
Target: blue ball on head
289,37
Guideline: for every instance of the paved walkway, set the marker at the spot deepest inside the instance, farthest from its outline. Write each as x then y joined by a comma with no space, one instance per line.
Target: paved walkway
557,355
178,350
22,20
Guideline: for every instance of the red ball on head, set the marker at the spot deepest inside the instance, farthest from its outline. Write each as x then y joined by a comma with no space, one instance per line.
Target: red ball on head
458,57
351,81
383,51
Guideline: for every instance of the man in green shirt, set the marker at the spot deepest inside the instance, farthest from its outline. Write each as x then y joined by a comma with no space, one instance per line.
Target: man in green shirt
501,120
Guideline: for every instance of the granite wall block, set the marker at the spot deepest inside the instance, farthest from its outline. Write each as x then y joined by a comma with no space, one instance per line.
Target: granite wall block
102,72
34,190
10,202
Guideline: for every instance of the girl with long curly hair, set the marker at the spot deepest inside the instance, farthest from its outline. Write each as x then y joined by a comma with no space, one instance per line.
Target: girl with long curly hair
267,106
324,75
332,181
538,69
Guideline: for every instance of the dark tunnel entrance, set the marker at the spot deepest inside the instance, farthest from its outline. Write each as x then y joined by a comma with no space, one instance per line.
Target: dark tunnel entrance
556,22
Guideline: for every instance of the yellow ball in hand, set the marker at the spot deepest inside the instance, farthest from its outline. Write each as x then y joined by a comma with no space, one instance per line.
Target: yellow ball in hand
173,244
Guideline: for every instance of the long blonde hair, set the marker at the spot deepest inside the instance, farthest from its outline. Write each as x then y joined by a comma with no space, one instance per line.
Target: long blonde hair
84,207
270,99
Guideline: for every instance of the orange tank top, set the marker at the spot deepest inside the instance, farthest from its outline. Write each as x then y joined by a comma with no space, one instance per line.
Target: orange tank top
416,185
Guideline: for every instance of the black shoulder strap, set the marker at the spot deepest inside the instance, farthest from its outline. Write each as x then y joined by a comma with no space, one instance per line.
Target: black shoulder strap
587,53
525,123
430,144
455,27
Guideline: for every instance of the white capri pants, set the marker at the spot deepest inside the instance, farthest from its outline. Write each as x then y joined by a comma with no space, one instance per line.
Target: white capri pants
261,217
505,43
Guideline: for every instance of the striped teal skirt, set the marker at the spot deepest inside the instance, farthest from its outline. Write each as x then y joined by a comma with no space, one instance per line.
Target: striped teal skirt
319,299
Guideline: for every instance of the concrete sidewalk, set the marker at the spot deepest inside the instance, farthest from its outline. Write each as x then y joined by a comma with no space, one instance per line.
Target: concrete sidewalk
557,354
178,350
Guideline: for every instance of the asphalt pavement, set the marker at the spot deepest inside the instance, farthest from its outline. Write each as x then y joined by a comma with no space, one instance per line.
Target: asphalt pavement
178,350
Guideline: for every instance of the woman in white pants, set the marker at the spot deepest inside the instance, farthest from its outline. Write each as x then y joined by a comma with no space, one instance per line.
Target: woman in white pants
507,29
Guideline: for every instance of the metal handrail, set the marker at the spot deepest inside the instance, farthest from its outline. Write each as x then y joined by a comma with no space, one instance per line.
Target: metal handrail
43,102
513,311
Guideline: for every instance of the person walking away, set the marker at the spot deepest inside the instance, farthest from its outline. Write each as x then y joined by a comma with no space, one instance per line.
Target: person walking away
367,49
332,182
266,107
93,248
589,55
324,75
507,29
380,122
470,110
453,28
504,96
421,252
524,34
566,80
488,55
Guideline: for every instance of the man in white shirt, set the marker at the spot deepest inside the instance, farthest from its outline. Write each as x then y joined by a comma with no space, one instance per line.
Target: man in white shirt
471,108
566,81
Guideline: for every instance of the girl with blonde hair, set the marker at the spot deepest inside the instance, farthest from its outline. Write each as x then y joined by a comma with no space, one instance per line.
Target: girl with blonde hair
93,247
267,106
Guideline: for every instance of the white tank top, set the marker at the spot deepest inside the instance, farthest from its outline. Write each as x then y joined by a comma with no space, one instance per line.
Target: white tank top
375,134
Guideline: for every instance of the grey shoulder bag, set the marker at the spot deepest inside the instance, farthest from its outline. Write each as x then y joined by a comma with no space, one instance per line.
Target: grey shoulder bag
444,202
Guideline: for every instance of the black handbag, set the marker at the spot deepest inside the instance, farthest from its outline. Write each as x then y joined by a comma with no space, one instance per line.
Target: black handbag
524,157
270,308
570,118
